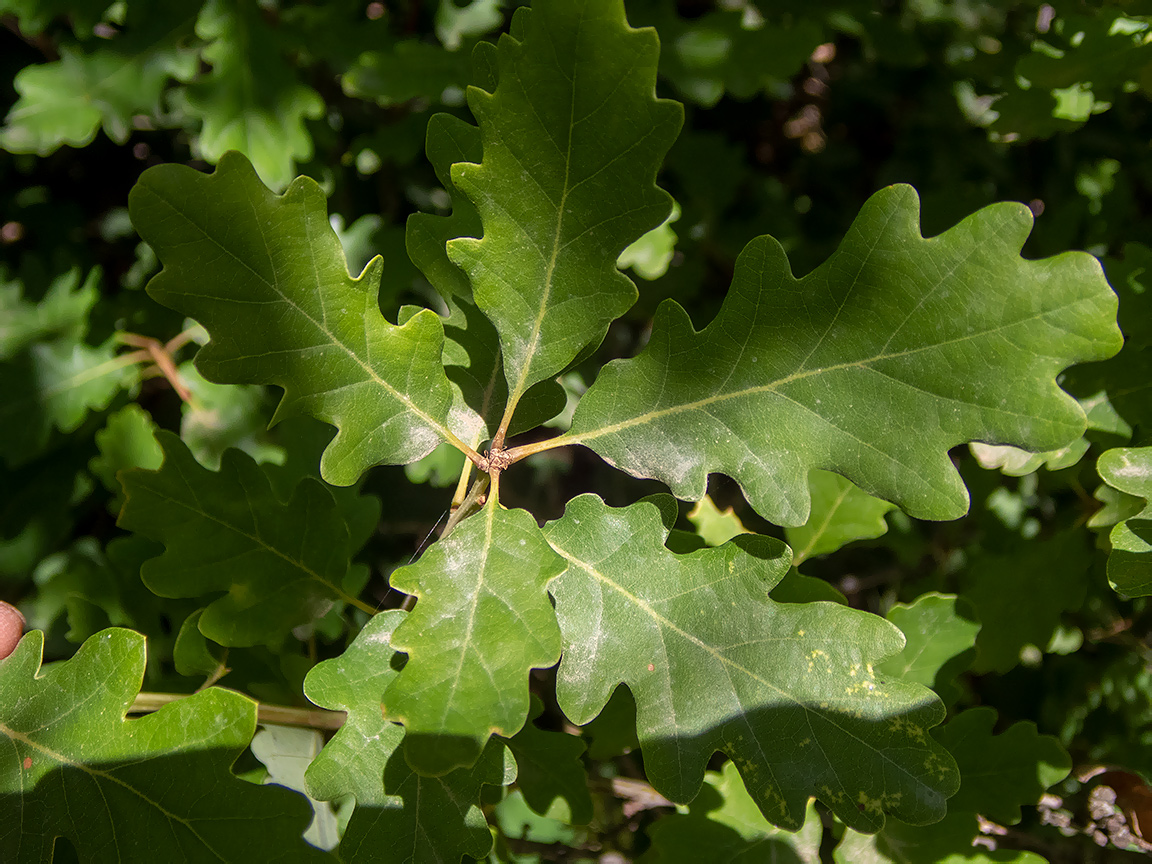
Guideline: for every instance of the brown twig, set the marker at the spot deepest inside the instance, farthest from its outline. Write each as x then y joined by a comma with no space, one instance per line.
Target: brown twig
161,355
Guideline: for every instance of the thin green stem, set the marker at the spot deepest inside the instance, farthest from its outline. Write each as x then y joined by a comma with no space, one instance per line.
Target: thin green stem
462,485
465,475
476,459
494,494
469,506
515,454
357,602
122,361
312,718
219,672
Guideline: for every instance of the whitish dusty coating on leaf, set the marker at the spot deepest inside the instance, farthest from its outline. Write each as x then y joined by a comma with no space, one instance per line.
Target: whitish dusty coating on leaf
573,136
787,690
874,365
400,816
482,622
266,276
352,763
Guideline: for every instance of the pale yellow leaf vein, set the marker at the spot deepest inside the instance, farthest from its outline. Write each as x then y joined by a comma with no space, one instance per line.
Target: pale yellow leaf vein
819,530
774,386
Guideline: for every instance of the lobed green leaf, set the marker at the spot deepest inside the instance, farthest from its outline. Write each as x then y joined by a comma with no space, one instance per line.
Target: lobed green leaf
265,274
281,563
1001,772
874,365
482,621
572,137
1129,470
73,766
787,691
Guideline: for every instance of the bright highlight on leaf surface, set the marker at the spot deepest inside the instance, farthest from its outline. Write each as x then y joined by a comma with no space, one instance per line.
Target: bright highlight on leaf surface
894,350
352,763
265,274
481,623
128,790
572,138
1129,469
282,563
786,690
935,634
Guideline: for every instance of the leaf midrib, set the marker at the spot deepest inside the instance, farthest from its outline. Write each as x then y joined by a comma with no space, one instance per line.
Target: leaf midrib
546,293
774,386
802,555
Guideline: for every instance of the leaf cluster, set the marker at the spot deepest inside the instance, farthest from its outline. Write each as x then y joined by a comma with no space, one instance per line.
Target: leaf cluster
577,430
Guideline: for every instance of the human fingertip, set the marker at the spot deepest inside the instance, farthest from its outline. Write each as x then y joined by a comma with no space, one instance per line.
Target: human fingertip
11,628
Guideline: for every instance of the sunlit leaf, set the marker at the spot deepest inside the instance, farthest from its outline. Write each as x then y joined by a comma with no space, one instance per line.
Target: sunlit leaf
286,752
874,365
935,633
840,514
572,137
714,525
335,356
1129,470
786,690
482,621
352,763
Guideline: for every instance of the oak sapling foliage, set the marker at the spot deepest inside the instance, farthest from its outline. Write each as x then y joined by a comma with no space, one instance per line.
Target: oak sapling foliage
590,628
